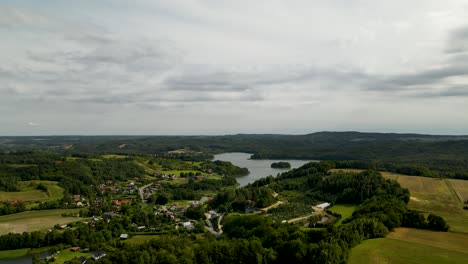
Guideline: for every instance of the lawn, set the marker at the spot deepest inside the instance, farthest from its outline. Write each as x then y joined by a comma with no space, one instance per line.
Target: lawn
412,246
35,220
67,254
346,210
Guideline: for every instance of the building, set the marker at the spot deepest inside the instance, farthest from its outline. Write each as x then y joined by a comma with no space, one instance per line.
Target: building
123,236
98,255
323,205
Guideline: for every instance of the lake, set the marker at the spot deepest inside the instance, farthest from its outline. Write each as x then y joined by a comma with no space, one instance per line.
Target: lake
258,168
20,260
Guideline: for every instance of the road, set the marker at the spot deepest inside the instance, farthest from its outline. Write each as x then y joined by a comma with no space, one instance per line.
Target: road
210,226
141,192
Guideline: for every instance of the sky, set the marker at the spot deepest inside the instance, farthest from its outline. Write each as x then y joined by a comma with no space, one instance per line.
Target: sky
190,67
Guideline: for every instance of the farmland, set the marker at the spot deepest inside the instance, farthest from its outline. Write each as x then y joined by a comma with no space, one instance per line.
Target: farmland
35,220
428,195
412,246
29,192
433,195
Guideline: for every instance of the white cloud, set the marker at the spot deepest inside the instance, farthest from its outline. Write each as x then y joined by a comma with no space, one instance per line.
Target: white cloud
191,67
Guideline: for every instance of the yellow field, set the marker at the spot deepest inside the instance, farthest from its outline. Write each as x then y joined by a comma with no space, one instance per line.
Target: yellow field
461,188
35,220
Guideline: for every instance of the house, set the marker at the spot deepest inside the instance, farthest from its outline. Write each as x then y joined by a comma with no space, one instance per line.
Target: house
323,205
76,197
188,225
123,236
17,202
75,249
109,215
120,202
98,255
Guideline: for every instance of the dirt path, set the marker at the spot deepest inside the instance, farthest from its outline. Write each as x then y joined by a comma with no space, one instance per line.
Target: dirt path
299,218
271,206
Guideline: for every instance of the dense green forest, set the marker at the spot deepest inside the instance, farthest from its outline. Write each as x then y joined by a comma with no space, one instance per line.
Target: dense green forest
445,156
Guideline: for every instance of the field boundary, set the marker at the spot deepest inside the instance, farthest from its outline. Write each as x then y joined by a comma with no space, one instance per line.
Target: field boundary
453,191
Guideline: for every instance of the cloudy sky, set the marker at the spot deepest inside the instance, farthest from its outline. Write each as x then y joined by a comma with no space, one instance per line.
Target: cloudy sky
225,67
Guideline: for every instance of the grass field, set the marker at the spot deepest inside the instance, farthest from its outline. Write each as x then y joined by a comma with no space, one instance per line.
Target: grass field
461,188
67,254
35,220
412,246
443,197
346,210
29,193
140,239
16,253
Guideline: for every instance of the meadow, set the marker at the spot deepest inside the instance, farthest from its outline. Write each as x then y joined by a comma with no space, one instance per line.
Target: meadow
346,210
412,246
443,197
35,220
29,192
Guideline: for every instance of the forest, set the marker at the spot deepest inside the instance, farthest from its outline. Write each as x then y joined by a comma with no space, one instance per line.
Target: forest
444,156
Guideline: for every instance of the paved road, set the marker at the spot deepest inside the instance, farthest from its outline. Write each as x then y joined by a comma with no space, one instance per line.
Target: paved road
141,191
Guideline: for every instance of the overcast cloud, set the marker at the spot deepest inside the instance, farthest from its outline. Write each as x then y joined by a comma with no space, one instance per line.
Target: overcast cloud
225,67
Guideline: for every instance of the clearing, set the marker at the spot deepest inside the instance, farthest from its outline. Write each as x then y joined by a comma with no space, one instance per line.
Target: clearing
346,210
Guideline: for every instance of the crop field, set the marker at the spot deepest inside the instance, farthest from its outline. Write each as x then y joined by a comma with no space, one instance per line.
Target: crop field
412,246
461,188
346,210
443,197
29,192
35,220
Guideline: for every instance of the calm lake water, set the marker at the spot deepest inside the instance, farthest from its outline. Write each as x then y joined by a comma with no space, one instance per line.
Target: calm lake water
21,260
258,168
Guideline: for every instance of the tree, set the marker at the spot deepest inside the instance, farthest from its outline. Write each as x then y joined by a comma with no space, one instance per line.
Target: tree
162,199
438,223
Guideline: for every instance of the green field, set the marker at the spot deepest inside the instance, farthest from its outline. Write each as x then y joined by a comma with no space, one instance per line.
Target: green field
443,197
16,253
67,254
346,210
29,192
412,246
140,239
35,220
